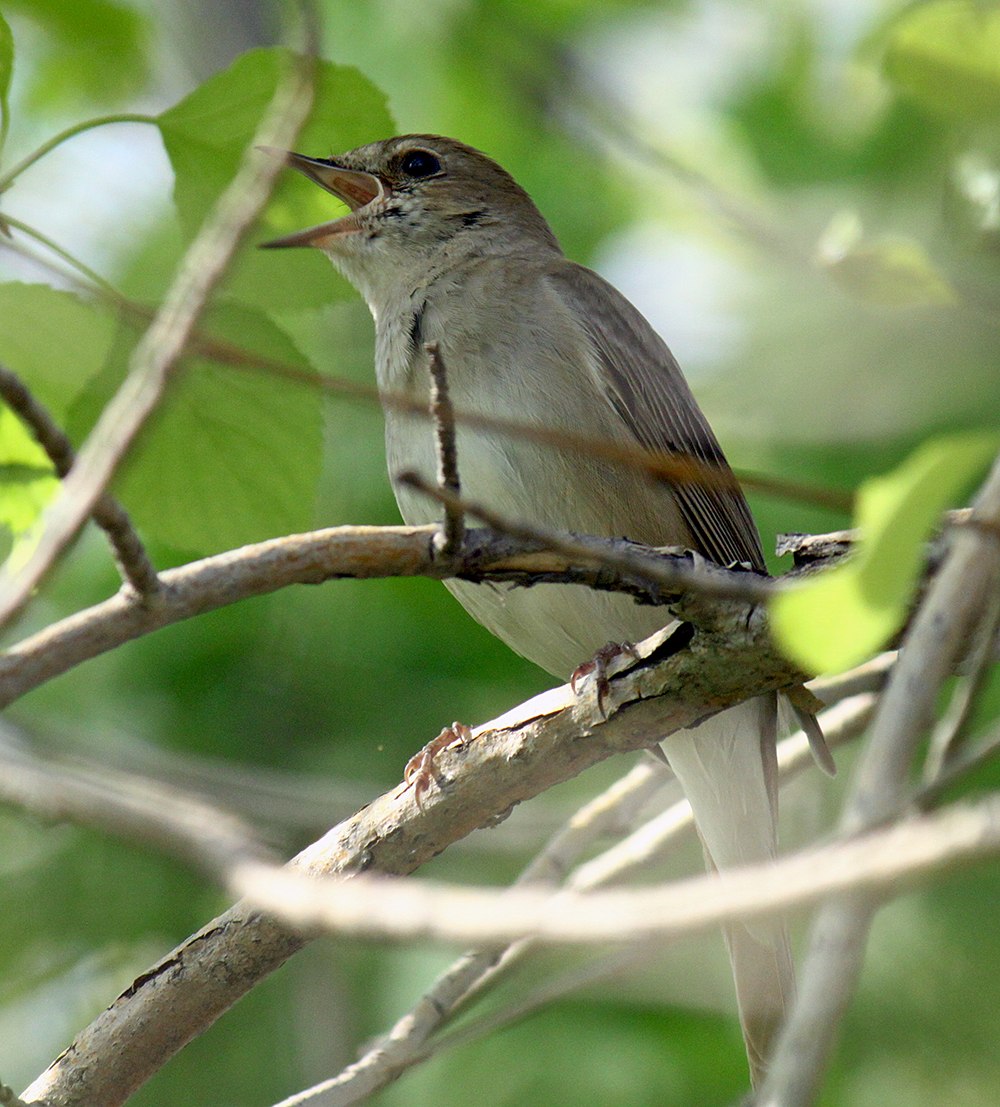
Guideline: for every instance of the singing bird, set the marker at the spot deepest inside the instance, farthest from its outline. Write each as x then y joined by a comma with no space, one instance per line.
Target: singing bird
446,248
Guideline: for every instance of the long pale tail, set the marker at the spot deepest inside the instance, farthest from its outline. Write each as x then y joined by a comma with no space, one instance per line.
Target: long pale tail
728,771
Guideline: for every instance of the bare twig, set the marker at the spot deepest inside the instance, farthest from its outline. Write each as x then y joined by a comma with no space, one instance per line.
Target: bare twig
8,178
449,541
659,465
110,516
933,644
703,579
884,861
357,552
653,840
97,282
946,741
878,860
163,343
966,761
869,676
642,847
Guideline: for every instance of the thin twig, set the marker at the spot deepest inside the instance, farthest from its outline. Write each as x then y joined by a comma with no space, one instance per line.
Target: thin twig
659,465
946,741
869,676
443,415
163,343
967,761
98,283
130,554
884,861
747,587
47,147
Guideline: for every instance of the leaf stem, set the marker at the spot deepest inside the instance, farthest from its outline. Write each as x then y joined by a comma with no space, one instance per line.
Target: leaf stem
81,267
11,176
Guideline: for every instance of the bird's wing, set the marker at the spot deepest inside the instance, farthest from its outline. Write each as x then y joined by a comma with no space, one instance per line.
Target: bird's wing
645,387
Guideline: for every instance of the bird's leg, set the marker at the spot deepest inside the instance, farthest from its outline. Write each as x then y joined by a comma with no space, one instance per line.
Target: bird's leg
421,769
598,665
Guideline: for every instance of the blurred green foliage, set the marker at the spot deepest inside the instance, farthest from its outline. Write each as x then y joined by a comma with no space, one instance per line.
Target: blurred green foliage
818,174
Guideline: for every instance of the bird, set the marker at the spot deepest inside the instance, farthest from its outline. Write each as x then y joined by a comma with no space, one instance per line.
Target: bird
447,249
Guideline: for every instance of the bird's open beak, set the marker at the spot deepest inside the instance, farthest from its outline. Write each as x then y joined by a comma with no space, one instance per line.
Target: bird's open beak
354,187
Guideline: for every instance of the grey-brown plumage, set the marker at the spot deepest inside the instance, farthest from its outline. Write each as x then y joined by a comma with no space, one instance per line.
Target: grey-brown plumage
447,248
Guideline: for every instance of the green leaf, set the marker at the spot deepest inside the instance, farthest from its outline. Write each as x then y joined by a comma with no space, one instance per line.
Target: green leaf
891,271
53,340
234,453
946,55
847,613
91,49
205,135
6,71
27,480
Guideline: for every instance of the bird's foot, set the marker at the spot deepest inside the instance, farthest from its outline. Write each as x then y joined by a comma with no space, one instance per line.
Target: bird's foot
598,665
421,768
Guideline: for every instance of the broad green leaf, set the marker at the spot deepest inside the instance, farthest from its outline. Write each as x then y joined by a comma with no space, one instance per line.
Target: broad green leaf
53,340
233,454
946,55
205,135
6,70
27,481
891,271
845,614
93,50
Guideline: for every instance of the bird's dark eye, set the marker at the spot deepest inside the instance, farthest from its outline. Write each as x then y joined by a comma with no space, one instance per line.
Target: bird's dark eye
419,163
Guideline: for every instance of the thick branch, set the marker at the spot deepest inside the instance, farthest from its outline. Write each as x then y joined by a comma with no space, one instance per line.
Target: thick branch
549,739
356,552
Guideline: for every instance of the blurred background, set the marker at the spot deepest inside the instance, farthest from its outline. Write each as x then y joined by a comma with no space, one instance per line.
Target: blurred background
804,199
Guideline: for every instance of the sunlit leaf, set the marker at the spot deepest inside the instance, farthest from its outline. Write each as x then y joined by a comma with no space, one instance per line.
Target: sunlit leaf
891,271
53,340
946,55
93,50
6,70
27,481
845,614
234,453
205,135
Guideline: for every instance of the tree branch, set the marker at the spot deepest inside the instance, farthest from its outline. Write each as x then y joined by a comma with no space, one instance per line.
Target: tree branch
529,750
415,1036
130,554
163,343
650,576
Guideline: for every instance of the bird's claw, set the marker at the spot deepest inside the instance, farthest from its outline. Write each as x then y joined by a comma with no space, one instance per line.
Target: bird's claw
421,768
598,665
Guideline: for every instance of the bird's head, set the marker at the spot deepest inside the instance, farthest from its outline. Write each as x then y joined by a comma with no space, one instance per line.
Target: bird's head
419,204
